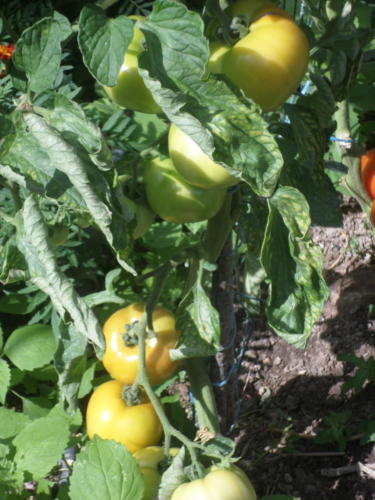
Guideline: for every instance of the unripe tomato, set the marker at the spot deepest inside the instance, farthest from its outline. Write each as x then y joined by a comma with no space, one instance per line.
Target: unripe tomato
130,91
269,62
121,360
110,417
174,199
367,165
218,484
194,165
59,233
149,460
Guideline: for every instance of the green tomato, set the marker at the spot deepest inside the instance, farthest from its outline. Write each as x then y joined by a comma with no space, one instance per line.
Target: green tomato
130,91
269,62
194,165
59,234
173,199
218,484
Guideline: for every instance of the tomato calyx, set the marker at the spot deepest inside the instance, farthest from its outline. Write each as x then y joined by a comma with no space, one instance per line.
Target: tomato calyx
134,395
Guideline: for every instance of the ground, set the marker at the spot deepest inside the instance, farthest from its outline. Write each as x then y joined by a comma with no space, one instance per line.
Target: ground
286,392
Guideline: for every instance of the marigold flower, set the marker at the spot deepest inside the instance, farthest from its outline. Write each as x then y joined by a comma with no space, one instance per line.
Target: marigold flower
6,51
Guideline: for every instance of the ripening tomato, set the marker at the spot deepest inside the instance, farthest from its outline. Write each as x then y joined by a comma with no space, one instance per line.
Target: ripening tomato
269,62
218,484
110,417
122,360
130,91
367,166
249,10
149,460
194,165
174,199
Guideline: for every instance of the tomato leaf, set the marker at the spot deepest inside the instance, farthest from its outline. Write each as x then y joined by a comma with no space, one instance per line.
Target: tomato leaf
31,346
4,380
312,124
199,321
173,476
70,120
294,268
40,444
103,43
38,54
11,422
105,470
44,272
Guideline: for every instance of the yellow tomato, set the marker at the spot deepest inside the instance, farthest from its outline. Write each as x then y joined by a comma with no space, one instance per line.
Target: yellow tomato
121,360
194,165
270,61
110,417
218,484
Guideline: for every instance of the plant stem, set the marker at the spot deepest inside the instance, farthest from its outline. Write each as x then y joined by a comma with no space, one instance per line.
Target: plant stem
205,404
168,429
349,151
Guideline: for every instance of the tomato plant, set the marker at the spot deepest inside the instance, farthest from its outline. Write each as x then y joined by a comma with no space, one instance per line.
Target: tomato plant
220,484
121,357
269,62
149,460
130,91
194,165
109,417
174,199
367,166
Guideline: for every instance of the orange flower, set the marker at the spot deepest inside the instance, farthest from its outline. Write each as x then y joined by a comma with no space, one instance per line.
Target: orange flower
6,51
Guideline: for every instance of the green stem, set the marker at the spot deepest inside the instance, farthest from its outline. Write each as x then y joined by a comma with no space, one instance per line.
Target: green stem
218,229
348,151
168,429
205,404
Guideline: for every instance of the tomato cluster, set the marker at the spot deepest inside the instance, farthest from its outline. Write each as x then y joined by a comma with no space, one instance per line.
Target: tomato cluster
108,415
267,64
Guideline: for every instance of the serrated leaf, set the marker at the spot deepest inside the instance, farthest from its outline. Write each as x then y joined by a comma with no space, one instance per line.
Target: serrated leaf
294,266
11,422
36,407
4,380
40,445
103,43
173,476
105,470
87,181
46,275
31,346
38,54
70,360
64,24
199,322
68,117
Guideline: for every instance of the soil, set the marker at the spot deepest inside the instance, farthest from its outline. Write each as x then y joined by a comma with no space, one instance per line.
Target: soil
287,392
